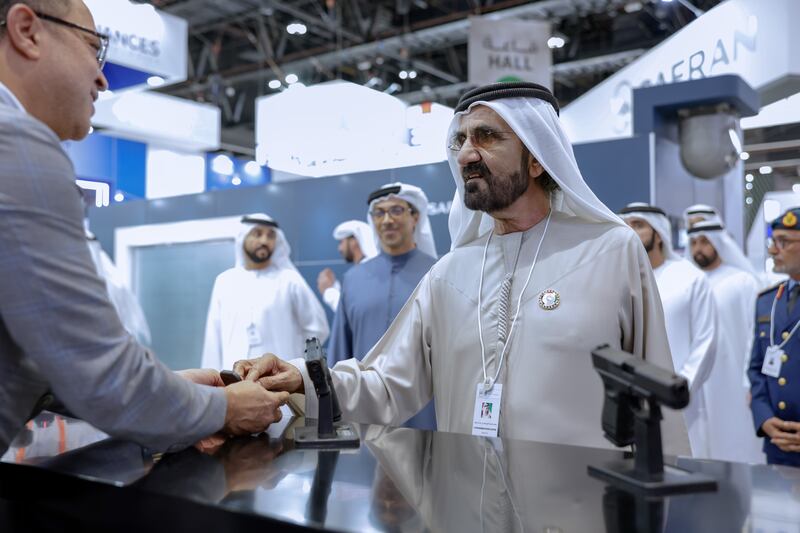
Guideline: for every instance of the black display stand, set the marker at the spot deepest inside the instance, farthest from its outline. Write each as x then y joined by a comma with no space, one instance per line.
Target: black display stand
646,472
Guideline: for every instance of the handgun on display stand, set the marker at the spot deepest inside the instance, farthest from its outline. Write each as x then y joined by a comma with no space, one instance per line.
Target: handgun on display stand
329,432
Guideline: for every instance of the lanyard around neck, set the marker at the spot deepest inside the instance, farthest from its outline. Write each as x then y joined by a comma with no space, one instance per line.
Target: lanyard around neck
487,382
772,322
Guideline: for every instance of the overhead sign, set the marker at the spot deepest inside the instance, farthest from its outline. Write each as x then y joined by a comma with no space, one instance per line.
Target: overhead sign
509,50
143,38
755,39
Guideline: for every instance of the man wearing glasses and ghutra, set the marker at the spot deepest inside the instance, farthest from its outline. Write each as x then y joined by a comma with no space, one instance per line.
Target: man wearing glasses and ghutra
540,273
375,291
60,336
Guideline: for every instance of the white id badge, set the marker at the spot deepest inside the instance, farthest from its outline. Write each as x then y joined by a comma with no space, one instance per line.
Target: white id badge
486,416
253,336
772,362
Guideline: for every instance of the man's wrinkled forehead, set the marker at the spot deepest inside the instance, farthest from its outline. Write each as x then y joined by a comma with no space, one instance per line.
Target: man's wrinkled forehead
482,115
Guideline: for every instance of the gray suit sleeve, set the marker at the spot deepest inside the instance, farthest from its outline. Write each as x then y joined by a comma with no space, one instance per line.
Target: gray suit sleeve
57,311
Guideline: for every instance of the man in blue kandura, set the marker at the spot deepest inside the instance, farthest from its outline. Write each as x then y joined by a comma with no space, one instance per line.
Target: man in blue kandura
373,292
774,370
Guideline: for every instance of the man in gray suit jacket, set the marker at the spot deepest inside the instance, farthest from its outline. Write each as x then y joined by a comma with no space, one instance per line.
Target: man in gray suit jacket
58,330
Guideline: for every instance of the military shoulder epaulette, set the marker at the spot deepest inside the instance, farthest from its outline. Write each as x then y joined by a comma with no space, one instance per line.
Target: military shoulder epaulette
770,288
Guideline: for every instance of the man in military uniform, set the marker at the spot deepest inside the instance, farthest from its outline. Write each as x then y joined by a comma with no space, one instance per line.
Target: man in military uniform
775,360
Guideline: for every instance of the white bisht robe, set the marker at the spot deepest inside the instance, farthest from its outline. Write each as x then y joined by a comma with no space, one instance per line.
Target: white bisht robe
277,301
730,420
551,391
691,319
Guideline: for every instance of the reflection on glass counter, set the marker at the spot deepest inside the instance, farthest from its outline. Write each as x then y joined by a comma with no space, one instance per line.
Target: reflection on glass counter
398,480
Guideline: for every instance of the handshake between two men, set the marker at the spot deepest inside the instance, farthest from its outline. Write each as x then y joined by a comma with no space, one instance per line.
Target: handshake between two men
255,402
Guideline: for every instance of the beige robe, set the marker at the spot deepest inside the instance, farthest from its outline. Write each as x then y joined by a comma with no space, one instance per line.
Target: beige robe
551,392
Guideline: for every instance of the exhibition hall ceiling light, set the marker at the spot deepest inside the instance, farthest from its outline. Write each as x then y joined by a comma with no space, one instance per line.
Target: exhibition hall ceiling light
407,74
253,169
744,156
296,28
393,88
119,197
291,78
373,82
556,42
236,181
766,169
275,84
222,164
748,178
156,81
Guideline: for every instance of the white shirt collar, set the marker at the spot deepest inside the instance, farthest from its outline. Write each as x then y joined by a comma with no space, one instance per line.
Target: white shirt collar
7,97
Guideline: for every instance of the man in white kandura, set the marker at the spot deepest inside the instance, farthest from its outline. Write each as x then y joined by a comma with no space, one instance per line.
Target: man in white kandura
262,304
356,244
689,311
735,285
540,273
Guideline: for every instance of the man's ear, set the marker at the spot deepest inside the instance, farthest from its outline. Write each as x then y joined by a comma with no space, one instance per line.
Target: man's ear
535,168
24,31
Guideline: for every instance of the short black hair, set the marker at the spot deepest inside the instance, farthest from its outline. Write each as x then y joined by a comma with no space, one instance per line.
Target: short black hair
57,8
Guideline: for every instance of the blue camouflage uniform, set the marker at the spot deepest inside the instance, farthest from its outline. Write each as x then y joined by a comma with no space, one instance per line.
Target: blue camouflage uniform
776,396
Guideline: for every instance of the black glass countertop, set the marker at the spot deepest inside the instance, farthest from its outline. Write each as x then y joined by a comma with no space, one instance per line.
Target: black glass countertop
62,472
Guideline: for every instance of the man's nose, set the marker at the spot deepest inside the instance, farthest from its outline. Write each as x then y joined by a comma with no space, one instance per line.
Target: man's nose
101,81
467,154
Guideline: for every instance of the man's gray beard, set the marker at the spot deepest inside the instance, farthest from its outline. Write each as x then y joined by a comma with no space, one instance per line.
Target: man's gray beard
499,194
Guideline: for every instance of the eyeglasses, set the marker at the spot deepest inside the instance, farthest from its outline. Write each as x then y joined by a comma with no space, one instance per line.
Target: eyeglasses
395,211
481,137
101,46
780,242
